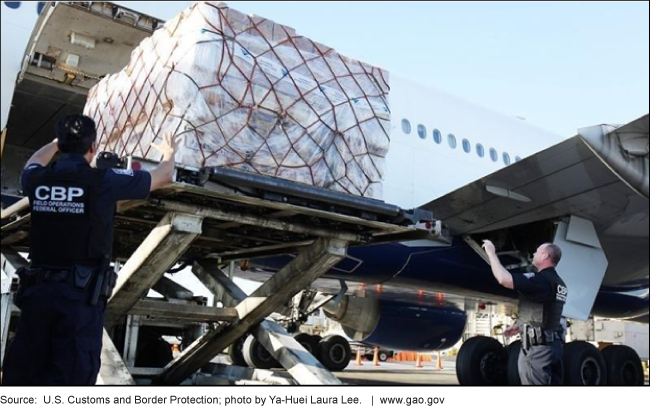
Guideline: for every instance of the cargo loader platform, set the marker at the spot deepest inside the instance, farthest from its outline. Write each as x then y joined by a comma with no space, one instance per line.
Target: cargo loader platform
207,220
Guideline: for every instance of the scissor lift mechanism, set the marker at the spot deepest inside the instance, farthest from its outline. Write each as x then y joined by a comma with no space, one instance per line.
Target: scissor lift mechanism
207,219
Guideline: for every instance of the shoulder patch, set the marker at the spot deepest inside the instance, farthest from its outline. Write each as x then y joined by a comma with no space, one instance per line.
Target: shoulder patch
123,172
33,166
529,275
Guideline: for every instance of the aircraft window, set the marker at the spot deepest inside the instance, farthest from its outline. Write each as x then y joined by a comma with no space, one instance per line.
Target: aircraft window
437,136
494,155
517,159
467,146
506,159
14,5
422,131
406,126
452,141
480,150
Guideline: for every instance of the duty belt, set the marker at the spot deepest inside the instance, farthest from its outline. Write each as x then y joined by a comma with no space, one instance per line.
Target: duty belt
44,276
536,336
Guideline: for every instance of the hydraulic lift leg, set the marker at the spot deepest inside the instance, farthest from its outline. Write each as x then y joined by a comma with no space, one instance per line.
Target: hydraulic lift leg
113,371
11,262
303,367
157,254
313,262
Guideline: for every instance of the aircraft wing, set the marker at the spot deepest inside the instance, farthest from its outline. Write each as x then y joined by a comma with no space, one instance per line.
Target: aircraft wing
599,176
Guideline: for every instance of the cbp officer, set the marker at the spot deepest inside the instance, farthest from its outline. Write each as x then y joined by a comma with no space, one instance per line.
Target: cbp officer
542,296
63,294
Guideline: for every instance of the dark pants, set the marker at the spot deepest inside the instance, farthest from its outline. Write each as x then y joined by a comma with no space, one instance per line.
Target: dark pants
59,338
542,365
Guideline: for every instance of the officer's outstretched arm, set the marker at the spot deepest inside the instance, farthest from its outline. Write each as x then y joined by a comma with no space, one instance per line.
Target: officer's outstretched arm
44,155
500,273
164,172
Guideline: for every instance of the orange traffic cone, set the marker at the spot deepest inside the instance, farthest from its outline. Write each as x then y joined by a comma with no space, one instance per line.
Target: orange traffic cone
439,362
418,361
375,362
359,363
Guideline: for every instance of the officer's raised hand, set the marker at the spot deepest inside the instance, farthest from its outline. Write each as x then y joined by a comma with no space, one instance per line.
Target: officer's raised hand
164,172
168,146
488,246
500,273
44,156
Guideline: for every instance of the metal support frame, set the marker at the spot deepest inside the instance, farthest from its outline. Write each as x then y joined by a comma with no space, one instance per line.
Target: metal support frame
322,232
477,248
4,137
113,371
15,209
7,304
157,254
259,221
131,337
320,300
303,305
300,364
310,264
11,262
238,375
189,313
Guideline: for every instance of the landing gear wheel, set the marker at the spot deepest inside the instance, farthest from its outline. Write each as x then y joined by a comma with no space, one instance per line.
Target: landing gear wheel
624,366
514,351
236,353
310,343
335,353
257,356
482,361
583,365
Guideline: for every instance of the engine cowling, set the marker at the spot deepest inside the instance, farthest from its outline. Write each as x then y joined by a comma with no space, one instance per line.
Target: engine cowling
621,304
399,326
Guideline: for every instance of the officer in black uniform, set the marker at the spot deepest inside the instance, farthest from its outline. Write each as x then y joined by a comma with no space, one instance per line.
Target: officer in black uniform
63,294
542,296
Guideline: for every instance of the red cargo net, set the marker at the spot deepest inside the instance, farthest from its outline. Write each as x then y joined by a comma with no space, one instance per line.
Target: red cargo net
246,93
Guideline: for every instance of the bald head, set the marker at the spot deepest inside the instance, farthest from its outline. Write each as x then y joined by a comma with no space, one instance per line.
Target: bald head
554,253
547,256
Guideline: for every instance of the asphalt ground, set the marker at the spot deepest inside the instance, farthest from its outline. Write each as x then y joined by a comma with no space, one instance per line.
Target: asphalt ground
400,373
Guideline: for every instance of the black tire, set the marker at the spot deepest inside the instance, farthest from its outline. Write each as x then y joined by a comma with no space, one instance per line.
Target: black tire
624,367
257,356
335,353
383,356
310,343
584,365
514,351
482,361
236,353
316,339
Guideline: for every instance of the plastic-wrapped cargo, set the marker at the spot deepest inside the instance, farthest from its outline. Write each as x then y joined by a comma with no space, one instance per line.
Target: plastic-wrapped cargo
246,93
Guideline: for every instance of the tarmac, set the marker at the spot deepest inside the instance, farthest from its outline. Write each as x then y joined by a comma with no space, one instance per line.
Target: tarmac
400,374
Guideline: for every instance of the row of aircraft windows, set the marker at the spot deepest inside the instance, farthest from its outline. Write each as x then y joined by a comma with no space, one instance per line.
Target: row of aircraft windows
15,5
453,143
